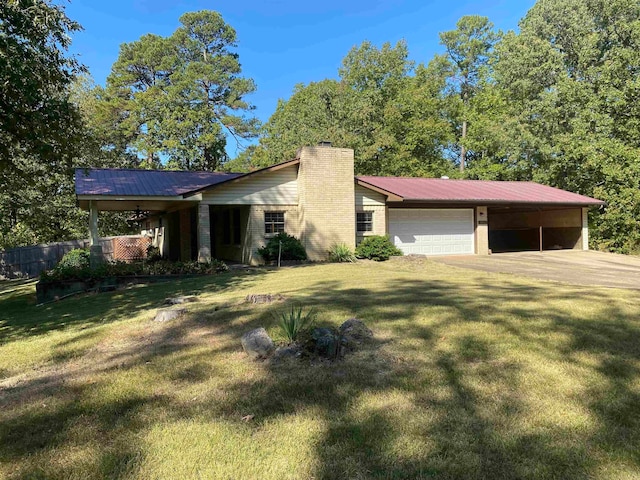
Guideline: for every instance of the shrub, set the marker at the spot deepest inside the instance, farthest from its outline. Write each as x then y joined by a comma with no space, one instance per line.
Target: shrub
123,269
341,253
292,248
153,254
295,321
378,248
77,258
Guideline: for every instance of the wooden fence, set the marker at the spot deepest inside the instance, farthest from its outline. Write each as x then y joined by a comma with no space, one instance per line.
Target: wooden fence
30,261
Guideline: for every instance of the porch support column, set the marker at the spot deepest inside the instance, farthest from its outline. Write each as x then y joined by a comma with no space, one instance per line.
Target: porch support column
204,234
93,223
95,249
482,231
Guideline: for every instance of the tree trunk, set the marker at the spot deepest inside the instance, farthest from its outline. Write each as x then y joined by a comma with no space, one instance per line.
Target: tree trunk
208,159
463,150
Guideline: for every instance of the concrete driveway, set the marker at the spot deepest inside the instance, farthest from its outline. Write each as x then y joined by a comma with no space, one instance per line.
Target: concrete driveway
567,266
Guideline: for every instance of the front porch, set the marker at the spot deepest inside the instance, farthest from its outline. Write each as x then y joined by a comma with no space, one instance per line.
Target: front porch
186,231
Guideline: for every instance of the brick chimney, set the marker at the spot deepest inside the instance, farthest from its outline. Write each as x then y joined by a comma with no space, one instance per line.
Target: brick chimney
326,198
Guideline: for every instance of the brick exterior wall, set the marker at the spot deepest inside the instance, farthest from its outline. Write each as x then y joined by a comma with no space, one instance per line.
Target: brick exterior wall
255,236
326,198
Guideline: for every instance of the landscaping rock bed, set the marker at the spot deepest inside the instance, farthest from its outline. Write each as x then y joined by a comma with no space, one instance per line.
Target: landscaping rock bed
321,342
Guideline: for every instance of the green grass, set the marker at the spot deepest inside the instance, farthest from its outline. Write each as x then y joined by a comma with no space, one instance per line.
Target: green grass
471,375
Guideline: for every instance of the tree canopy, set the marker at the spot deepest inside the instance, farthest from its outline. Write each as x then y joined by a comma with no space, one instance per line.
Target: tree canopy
180,98
391,113
35,117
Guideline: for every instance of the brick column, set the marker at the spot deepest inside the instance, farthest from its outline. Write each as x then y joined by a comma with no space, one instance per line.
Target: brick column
204,234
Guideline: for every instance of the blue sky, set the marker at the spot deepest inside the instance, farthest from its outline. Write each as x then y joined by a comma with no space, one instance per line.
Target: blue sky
284,42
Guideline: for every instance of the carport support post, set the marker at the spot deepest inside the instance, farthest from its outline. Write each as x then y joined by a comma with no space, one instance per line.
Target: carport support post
540,238
585,229
540,227
95,249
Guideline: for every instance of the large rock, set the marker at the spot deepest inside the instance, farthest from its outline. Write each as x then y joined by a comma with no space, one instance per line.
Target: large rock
289,351
355,332
180,300
263,298
167,314
257,343
327,343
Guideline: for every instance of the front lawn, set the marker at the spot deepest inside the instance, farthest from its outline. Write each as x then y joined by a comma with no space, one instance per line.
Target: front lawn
471,375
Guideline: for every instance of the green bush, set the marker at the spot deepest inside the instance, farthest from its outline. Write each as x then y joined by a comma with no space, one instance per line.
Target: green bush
292,248
295,321
341,253
77,258
124,269
378,248
153,254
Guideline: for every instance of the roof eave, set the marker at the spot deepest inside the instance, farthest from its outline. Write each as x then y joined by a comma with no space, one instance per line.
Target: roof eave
480,201
391,197
177,198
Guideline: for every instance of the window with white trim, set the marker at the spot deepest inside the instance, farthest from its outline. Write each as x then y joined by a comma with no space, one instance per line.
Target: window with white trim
273,223
364,222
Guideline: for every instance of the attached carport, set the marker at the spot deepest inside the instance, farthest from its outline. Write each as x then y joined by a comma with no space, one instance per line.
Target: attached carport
439,216
537,228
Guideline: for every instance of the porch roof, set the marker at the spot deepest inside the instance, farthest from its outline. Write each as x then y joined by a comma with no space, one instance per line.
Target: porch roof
121,189
144,183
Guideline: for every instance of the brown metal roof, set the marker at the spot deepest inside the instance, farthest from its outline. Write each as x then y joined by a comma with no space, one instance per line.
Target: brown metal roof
130,182
437,190
156,183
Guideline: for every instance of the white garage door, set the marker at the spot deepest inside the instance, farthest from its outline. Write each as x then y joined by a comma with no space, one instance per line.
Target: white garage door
432,231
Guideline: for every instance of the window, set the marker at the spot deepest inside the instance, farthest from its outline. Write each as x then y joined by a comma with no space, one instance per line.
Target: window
273,222
364,221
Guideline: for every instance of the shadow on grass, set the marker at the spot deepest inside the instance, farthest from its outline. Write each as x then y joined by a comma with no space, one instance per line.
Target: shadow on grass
441,400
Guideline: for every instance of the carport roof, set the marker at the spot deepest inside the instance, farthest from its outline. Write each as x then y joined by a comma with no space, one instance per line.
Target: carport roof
438,190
